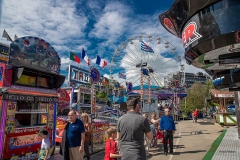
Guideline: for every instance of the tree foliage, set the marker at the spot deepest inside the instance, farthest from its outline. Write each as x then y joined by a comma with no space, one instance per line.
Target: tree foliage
102,96
196,96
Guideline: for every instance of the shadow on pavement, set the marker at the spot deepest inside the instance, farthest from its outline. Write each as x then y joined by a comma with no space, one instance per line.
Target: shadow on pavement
186,152
193,133
206,123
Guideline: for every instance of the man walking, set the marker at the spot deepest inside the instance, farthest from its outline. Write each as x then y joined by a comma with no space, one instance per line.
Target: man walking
131,128
72,145
168,127
195,115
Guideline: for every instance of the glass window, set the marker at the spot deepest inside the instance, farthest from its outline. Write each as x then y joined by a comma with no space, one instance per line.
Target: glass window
30,114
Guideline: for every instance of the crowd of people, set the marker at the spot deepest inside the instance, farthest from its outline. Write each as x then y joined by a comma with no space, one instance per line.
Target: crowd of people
134,135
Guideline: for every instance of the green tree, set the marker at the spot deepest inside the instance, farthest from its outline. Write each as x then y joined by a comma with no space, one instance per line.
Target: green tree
102,96
196,96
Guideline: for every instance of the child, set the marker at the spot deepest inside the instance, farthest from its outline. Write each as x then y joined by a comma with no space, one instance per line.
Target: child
111,146
45,146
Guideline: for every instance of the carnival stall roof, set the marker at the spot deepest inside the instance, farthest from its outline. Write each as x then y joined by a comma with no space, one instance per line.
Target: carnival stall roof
145,86
118,99
163,94
221,97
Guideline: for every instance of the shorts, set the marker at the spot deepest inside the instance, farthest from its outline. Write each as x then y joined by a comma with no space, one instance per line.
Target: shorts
74,154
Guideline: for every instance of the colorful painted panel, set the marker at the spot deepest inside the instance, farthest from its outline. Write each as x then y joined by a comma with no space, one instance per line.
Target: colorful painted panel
23,141
50,115
10,123
4,53
35,53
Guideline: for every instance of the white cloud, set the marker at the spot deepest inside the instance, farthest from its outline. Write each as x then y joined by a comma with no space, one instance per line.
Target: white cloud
57,23
99,27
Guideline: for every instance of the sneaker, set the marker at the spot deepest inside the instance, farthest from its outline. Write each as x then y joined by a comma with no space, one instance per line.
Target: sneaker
171,153
165,153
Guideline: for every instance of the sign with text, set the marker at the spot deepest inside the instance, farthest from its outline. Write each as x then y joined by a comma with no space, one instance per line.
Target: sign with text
46,99
23,141
81,76
29,129
17,97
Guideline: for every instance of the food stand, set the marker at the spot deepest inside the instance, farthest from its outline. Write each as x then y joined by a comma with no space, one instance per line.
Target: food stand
223,98
28,90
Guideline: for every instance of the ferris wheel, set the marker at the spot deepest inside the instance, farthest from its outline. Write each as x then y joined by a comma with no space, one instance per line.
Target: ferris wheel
154,56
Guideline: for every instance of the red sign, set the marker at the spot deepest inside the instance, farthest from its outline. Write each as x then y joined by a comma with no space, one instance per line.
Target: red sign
168,24
190,34
30,129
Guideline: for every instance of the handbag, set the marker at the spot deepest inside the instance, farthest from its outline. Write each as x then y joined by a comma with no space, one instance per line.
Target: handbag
159,135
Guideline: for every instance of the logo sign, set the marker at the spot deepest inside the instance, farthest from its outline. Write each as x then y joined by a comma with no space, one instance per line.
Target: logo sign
81,76
95,75
78,75
168,24
190,34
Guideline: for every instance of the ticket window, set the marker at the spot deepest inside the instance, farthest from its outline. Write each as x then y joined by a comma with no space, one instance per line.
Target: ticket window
27,114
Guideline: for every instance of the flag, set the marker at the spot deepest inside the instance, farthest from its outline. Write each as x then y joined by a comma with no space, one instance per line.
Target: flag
5,35
101,62
121,75
74,57
85,57
15,37
145,47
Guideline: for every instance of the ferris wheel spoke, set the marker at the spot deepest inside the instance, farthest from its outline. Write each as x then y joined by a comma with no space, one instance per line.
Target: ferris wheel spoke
133,53
156,66
136,80
132,77
153,81
157,80
127,62
131,58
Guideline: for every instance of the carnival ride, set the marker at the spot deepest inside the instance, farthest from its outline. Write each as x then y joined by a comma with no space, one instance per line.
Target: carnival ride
145,61
153,56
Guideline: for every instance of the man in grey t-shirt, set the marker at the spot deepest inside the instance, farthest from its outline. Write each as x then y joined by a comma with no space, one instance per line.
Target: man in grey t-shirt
131,128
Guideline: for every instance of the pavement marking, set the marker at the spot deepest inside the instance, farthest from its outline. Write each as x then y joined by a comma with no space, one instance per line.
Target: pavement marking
179,134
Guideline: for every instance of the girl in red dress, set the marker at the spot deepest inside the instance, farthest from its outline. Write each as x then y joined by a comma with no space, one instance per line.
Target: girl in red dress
111,145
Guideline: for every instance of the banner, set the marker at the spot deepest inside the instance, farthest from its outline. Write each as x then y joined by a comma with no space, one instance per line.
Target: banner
23,141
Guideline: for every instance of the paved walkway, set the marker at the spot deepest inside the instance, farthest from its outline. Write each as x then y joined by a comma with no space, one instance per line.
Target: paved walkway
191,142
229,146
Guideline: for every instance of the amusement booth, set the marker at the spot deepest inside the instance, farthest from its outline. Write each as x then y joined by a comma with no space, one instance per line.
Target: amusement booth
224,99
28,90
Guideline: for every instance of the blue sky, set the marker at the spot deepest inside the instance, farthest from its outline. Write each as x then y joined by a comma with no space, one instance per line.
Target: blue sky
98,26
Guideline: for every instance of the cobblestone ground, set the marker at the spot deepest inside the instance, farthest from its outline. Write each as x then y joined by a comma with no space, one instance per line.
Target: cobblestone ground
191,142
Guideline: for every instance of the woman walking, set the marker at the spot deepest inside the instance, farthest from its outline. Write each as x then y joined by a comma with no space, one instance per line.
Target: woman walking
87,126
155,122
147,141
